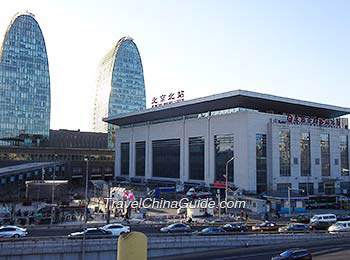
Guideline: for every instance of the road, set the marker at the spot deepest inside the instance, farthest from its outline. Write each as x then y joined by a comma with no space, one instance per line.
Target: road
321,250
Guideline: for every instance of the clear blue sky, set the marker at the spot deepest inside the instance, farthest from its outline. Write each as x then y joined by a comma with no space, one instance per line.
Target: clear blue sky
295,48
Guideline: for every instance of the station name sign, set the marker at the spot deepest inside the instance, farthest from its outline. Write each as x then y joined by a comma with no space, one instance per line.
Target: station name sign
171,98
315,121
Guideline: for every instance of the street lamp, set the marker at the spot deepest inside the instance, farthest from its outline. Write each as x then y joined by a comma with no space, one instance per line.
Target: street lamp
86,159
289,189
53,190
226,177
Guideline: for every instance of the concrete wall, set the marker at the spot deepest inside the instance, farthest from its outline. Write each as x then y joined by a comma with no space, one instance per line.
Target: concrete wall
158,245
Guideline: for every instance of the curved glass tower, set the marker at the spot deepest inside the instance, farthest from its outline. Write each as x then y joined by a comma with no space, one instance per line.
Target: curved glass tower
24,83
120,86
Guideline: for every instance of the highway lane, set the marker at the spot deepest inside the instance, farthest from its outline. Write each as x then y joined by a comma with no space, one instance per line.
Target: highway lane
337,249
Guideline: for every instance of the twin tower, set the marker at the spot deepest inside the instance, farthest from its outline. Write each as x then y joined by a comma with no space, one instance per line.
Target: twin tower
25,99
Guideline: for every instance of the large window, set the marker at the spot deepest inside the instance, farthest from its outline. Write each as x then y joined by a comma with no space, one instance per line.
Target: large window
284,153
306,188
282,188
166,158
196,158
325,156
223,152
305,154
124,158
261,166
140,151
344,154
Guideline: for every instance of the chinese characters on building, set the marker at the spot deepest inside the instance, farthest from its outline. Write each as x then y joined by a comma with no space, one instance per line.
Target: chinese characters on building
316,121
173,97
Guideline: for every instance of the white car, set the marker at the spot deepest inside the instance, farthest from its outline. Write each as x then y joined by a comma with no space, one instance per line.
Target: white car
190,192
12,231
117,229
340,226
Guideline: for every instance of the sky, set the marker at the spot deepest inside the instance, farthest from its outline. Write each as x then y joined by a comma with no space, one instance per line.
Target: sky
292,48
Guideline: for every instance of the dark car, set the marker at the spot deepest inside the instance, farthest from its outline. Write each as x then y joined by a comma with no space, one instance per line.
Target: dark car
266,226
295,254
319,225
294,227
212,230
301,219
176,228
343,217
91,233
235,227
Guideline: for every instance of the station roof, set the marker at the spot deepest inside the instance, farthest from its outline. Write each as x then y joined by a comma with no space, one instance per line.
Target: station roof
227,100
21,168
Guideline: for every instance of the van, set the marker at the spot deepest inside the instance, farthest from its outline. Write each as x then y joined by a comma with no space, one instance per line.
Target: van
340,226
330,218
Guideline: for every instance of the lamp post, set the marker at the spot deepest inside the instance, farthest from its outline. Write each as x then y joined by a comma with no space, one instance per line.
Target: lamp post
289,189
85,204
226,177
53,190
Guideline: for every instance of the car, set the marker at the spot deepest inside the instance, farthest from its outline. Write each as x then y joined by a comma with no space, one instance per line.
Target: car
330,218
190,192
12,232
317,225
343,218
235,227
181,211
266,226
212,230
295,254
340,226
294,227
116,229
301,219
91,233
176,228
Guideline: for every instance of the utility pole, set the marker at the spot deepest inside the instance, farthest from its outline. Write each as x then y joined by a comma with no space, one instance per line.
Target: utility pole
289,206
53,190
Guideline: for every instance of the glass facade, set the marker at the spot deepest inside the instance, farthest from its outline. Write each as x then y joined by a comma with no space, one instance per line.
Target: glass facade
120,86
124,158
325,155
196,158
284,153
305,154
224,151
166,158
24,83
344,154
282,188
140,150
261,165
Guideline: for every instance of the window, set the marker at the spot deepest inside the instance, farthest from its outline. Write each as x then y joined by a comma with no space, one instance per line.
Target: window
325,155
320,187
284,153
261,165
344,154
224,151
305,154
124,158
166,158
283,187
140,150
308,188
196,158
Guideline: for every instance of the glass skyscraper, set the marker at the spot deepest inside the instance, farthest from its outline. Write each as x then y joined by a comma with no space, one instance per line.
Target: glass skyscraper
120,86
24,83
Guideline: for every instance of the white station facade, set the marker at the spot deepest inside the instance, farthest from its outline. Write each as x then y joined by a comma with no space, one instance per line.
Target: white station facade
277,143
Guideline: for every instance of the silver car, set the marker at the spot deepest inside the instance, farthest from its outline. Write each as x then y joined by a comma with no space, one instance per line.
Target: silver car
12,231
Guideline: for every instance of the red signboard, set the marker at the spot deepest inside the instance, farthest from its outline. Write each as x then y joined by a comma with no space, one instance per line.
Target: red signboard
315,121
